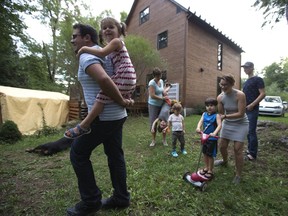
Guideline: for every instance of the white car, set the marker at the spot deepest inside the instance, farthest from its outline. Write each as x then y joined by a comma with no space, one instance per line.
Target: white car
272,105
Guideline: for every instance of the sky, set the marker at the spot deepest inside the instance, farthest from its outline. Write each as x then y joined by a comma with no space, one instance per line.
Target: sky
237,20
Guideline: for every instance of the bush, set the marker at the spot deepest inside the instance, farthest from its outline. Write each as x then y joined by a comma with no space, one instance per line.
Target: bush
199,109
9,132
46,131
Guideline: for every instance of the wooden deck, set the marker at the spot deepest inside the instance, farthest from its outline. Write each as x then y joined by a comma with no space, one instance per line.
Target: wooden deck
138,108
76,111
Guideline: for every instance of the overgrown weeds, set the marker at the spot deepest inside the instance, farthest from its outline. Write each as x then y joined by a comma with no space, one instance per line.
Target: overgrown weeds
34,185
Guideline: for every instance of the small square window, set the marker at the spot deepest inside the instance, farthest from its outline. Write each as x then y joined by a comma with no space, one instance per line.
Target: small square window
144,15
162,40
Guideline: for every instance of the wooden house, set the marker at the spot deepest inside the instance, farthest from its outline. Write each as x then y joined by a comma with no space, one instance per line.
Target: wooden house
196,52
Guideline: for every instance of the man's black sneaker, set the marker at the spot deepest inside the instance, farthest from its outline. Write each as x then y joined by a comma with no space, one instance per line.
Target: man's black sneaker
82,209
112,203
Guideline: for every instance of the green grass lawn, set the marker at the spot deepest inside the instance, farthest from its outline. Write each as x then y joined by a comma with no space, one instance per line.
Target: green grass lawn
35,185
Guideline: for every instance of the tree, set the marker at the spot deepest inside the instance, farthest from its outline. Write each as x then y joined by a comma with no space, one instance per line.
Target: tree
33,67
59,16
274,10
50,12
123,16
10,19
41,65
277,73
11,32
9,56
272,89
143,55
53,13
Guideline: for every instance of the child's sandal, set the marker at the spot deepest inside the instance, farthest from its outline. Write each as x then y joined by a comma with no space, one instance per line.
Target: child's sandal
72,134
203,171
209,175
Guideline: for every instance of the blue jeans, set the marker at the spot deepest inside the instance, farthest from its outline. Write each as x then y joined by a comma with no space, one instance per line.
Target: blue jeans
110,134
252,135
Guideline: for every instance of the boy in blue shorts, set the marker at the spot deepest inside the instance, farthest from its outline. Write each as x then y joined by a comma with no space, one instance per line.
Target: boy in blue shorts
210,121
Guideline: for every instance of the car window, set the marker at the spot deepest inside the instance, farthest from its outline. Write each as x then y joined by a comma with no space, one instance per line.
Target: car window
275,100
272,100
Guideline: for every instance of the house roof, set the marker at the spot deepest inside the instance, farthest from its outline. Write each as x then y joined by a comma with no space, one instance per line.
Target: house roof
193,18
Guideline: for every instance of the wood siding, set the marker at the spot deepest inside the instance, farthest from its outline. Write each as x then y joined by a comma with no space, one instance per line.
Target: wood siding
190,48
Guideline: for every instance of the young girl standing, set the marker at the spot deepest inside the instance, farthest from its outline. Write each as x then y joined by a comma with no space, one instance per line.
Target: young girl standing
124,74
176,122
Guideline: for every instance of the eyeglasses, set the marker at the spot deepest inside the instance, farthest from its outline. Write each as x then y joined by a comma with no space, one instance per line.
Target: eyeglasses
75,36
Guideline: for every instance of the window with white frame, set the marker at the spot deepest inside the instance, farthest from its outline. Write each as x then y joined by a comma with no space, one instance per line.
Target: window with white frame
144,15
162,40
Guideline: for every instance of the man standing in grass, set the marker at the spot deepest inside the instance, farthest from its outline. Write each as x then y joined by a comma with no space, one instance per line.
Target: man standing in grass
106,129
254,90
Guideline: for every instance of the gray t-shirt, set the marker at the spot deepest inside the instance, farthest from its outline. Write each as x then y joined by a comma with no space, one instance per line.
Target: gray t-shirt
230,105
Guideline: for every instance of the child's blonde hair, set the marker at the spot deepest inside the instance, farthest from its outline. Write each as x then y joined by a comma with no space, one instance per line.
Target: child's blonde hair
177,107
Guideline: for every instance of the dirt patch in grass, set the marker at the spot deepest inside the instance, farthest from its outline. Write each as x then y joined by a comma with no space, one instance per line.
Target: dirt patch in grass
273,134
273,146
